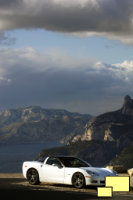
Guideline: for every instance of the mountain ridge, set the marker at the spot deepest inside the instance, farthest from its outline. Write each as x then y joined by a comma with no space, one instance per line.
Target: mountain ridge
36,124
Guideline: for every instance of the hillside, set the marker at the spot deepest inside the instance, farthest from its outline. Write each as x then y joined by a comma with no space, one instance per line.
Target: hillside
100,140
125,158
114,126
107,138
97,153
35,124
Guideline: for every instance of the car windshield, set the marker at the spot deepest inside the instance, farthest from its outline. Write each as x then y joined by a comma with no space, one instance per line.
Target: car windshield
73,162
41,159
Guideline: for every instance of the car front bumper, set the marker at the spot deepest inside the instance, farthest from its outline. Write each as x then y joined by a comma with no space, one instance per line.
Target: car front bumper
95,181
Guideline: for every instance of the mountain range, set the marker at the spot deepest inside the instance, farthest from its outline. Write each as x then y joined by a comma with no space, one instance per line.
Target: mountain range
35,124
107,139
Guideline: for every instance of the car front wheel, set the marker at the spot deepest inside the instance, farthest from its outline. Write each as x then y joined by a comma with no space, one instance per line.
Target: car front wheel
78,180
33,177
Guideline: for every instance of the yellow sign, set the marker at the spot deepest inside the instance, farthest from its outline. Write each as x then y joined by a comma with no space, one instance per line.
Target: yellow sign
114,184
104,191
119,183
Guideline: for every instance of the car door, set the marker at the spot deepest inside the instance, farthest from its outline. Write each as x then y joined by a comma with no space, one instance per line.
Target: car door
53,171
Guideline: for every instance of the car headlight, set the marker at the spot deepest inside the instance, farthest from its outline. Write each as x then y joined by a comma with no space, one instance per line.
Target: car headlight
92,173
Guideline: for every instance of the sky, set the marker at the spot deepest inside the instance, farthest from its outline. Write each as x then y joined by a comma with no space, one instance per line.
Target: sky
74,55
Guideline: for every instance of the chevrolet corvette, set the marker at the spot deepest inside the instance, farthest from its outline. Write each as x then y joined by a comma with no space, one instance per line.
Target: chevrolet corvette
65,170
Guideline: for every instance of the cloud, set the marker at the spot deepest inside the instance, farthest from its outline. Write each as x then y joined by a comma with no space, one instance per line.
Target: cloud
4,81
55,79
5,39
56,60
113,19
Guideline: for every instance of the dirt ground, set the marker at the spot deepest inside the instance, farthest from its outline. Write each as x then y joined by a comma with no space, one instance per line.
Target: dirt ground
14,186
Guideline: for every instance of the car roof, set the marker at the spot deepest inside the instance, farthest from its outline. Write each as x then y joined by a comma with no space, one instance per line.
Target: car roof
62,156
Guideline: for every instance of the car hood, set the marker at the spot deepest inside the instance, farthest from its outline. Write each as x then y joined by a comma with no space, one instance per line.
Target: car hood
99,171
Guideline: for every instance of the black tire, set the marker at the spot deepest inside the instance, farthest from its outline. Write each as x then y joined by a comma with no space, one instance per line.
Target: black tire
33,177
78,180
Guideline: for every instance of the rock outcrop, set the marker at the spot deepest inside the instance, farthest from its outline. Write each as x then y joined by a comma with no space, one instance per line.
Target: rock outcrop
127,108
130,172
112,126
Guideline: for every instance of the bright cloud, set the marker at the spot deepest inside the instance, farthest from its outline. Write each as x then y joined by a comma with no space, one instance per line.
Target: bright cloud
54,60
55,79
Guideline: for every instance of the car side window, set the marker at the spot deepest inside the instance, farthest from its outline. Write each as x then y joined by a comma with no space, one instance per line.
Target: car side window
53,161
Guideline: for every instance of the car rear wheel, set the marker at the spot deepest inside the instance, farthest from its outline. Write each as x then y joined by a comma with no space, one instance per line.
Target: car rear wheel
33,177
78,180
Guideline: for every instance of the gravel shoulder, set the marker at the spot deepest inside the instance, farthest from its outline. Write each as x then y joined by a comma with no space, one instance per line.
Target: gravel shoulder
14,186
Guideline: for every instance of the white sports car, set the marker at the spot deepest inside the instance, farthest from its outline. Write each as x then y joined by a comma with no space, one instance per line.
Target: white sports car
65,170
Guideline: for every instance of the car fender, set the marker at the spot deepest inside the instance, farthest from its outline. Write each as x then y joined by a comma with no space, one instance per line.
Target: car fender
28,165
69,172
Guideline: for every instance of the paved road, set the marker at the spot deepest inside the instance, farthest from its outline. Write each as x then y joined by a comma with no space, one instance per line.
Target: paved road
16,187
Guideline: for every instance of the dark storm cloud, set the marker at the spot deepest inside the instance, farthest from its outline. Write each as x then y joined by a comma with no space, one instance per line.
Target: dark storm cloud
112,18
4,3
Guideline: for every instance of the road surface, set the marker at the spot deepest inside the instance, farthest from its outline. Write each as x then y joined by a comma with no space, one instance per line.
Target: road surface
14,186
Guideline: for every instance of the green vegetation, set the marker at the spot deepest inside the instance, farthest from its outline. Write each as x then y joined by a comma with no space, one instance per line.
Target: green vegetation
125,158
95,152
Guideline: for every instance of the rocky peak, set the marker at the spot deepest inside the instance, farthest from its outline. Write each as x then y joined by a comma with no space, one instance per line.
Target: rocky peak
127,108
111,126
